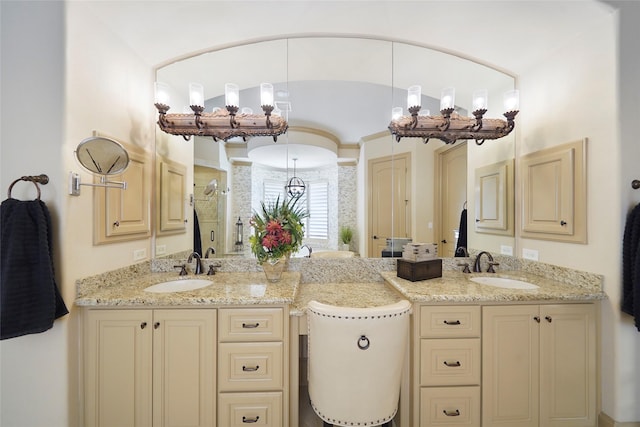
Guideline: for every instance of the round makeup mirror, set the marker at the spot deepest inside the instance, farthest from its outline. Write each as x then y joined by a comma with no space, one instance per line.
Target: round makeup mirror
102,156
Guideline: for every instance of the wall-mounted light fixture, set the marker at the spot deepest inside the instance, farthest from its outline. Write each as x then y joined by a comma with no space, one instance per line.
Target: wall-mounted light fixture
239,234
220,124
450,126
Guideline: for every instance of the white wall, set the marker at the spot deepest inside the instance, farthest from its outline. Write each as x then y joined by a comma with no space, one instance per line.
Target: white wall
76,77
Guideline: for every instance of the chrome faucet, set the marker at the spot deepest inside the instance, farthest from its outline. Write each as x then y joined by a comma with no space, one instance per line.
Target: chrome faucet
476,264
198,269
308,248
210,250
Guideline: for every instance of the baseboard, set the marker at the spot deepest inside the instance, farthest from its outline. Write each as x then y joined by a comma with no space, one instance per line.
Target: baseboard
606,421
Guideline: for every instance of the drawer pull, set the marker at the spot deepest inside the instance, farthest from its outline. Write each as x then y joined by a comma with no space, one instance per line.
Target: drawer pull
452,322
250,368
451,413
250,420
453,364
250,325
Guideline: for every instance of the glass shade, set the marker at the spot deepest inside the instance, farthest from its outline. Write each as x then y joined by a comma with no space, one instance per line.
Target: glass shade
162,93
447,98
231,94
414,96
266,94
512,100
246,110
396,113
196,94
480,100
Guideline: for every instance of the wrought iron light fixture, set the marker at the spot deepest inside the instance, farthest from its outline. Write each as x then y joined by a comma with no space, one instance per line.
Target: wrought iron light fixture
221,124
295,187
450,126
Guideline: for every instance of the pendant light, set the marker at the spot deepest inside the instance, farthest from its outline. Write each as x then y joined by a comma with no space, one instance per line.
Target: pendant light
295,187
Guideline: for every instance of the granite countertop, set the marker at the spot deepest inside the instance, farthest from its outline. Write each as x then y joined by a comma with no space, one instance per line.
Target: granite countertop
359,295
227,289
456,287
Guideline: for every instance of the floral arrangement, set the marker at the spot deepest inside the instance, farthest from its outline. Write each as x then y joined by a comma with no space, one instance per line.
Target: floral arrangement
277,230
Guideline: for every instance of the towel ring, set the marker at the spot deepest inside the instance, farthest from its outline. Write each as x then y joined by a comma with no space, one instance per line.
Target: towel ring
35,179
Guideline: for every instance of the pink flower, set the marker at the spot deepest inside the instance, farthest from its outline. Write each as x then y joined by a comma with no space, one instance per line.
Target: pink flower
274,226
269,241
285,237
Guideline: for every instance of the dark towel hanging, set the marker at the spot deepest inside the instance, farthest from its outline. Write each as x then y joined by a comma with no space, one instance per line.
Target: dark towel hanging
197,239
462,234
30,299
631,266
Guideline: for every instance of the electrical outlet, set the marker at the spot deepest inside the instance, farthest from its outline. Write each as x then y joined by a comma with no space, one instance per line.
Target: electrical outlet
506,250
139,254
531,254
161,249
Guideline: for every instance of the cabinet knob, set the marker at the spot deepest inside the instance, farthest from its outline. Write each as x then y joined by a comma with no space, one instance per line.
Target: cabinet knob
451,413
563,222
156,325
143,325
250,420
116,224
548,319
537,319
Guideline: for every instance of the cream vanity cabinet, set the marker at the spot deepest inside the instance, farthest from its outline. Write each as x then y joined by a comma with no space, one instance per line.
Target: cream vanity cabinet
252,366
539,365
146,367
447,354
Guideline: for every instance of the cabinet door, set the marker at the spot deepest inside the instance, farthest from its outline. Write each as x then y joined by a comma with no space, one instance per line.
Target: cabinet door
568,365
124,214
554,193
510,341
184,368
118,370
171,195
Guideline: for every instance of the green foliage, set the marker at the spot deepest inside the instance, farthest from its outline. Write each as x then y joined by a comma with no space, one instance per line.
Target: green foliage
346,234
277,229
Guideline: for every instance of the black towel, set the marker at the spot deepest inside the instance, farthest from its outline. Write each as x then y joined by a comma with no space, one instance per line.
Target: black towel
462,234
197,239
631,266
30,300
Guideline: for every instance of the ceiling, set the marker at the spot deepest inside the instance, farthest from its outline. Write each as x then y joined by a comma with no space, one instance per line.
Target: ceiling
509,36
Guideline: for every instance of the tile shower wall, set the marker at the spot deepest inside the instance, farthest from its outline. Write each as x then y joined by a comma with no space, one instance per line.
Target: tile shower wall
347,191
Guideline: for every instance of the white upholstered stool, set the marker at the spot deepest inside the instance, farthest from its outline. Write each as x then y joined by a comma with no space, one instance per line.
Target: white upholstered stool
356,358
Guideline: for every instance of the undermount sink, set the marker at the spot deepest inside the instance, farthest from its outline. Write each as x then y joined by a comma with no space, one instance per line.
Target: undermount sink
503,282
179,285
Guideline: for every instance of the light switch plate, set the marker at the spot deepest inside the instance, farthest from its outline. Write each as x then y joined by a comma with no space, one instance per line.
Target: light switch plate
161,249
506,250
530,254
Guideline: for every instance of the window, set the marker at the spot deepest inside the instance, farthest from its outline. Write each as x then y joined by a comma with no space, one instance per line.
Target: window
315,200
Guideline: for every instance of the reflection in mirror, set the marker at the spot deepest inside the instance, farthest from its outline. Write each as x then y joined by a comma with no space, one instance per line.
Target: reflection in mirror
338,94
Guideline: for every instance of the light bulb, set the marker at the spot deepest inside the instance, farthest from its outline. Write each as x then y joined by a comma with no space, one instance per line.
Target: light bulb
196,94
447,98
414,96
266,94
231,95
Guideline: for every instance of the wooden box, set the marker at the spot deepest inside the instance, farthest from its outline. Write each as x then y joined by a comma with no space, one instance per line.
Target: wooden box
419,270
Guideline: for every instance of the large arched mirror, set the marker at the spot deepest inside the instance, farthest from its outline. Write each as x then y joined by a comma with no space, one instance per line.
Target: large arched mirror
340,92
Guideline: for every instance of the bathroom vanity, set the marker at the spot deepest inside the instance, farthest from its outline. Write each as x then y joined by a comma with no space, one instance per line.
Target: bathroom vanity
232,353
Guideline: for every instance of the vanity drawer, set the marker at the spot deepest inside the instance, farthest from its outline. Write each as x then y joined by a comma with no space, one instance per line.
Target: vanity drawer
241,409
445,362
250,324
450,406
450,321
250,366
